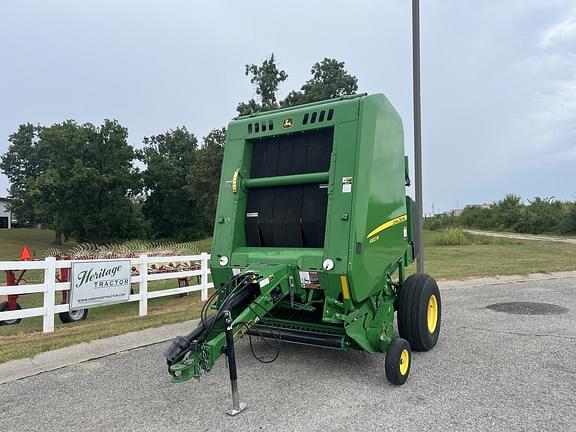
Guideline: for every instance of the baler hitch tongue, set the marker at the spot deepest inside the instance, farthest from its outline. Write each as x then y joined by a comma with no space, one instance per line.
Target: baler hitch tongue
249,298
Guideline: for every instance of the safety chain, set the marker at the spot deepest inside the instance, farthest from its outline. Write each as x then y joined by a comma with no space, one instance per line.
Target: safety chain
205,358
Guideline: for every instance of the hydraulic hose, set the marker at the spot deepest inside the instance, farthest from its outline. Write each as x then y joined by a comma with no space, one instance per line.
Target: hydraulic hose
241,296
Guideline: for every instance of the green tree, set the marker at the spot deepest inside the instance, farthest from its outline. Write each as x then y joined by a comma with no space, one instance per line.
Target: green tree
266,79
542,215
569,224
508,212
22,165
474,216
204,180
76,179
329,80
102,185
170,209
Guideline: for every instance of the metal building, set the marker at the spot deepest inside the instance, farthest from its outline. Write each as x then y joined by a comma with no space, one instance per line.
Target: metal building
5,214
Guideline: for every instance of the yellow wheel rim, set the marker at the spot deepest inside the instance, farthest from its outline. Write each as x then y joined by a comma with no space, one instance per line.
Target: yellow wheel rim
404,362
432,315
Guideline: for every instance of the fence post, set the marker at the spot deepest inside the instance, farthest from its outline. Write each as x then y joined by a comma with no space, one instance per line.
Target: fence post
204,276
49,294
143,310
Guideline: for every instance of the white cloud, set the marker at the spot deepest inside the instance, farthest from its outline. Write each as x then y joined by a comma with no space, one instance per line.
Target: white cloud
549,122
563,32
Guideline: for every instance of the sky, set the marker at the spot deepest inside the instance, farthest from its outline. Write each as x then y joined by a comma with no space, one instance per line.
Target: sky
498,77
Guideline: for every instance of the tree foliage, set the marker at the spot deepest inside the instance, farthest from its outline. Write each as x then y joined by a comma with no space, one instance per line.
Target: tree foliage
204,180
329,80
569,224
540,215
169,209
22,164
266,79
181,182
508,211
76,179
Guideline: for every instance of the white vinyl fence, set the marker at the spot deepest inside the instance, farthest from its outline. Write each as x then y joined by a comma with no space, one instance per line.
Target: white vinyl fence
50,285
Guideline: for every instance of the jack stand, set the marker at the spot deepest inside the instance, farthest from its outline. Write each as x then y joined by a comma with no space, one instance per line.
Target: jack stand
237,406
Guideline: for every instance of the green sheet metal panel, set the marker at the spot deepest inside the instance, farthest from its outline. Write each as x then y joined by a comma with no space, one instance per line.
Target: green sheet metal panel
379,206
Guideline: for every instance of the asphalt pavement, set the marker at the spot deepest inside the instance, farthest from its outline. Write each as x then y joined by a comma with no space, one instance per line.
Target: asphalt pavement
490,371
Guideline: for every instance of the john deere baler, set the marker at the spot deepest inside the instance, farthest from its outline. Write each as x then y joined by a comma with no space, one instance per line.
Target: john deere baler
312,238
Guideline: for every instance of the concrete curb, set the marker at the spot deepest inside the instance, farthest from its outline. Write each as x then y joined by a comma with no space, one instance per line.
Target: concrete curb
498,280
63,357
86,351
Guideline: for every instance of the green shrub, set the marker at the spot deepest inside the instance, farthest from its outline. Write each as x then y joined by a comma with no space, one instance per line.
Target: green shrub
459,237
539,216
451,237
439,222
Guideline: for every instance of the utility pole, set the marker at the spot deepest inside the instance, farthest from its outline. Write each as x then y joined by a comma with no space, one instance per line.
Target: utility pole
417,131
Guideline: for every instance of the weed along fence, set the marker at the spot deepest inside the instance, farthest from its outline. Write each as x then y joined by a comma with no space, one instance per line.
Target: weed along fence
84,284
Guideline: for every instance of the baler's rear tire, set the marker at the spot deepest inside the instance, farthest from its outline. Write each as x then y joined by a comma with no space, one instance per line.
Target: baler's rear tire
420,312
398,361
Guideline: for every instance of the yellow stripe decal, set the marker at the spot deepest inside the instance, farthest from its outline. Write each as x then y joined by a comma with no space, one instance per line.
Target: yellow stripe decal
345,290
388,224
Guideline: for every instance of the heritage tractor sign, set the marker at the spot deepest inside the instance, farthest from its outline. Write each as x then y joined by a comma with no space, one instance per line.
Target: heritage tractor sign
95,283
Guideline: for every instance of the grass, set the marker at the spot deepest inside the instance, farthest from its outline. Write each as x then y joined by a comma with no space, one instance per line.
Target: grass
489,256
37,240
26,340
473,256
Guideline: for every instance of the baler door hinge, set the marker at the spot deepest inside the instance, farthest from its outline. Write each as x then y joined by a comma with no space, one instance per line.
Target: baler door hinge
291,290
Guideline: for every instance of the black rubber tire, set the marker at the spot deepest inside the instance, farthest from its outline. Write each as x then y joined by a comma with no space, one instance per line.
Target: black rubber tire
4,308
394,361
413,304
73,316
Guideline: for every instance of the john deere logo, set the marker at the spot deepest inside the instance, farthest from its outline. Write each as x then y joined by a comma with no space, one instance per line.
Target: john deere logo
287,123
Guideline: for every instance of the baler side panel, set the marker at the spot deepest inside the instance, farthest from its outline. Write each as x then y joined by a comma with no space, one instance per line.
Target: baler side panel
340,214
379,196
229,232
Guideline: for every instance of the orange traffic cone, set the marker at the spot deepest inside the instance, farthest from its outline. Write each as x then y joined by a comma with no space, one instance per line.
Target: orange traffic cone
25,255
